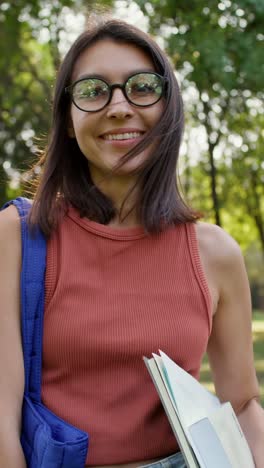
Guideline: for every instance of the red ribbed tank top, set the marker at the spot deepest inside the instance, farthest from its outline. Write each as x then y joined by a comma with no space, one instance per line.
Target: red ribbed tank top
113,296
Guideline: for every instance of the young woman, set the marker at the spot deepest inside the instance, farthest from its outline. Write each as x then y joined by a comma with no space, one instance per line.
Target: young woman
130,270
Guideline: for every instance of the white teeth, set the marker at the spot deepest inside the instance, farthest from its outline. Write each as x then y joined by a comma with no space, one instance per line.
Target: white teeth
122,136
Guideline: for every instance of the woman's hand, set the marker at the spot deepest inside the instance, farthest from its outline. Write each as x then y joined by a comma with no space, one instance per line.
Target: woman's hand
251,419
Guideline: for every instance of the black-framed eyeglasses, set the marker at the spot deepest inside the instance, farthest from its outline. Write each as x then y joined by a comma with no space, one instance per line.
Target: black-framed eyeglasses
92,94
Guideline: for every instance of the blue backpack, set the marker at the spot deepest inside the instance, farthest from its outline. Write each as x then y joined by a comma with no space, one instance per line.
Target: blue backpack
47,440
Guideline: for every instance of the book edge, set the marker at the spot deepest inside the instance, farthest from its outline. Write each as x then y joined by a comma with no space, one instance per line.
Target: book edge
173,418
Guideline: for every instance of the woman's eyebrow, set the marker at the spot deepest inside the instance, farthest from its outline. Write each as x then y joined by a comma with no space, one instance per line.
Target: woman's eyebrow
106,78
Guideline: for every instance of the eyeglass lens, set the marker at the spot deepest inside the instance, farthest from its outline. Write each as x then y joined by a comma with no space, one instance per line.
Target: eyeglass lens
141,89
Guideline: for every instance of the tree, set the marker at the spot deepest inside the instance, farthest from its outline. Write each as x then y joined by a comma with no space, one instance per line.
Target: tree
31,34
247,168
218,47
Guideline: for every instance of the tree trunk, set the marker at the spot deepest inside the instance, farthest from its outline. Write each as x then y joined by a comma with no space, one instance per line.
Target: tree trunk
213,169
3,184
213,181
260,227
255,210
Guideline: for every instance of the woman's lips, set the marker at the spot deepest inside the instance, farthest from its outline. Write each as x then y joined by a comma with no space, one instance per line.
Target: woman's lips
122,139
122,143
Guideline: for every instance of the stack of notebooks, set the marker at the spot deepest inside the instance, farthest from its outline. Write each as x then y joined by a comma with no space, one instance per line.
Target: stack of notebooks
208,432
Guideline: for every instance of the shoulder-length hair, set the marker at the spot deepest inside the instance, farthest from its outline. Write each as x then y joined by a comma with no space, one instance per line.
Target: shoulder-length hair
65,178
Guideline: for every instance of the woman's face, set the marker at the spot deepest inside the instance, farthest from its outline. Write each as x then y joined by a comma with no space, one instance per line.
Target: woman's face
113,62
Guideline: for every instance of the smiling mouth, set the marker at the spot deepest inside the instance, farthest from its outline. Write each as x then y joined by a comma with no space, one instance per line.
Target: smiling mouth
122,136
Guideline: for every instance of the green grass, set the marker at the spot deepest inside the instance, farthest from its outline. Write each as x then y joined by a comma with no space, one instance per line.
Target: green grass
258,316
258,342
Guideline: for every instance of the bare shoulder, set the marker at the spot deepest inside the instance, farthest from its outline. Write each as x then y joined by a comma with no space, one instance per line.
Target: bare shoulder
9,218
217,245
222,261
10,237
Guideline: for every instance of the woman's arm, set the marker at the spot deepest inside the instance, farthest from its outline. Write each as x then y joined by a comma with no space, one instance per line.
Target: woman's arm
230,348
251,419
11,356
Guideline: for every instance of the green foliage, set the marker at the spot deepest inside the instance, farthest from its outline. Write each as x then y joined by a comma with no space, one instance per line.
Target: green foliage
217,47
26,73
30,34
223,41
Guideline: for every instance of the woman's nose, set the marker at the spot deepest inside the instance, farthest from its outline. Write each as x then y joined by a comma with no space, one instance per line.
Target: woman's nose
119,107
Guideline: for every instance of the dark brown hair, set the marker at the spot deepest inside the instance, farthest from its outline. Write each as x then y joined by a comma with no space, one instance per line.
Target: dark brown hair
65,178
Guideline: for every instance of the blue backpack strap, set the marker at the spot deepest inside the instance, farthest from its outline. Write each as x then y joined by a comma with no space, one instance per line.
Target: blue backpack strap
32,283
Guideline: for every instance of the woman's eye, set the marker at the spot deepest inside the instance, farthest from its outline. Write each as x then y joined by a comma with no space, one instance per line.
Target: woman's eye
143,88
91,92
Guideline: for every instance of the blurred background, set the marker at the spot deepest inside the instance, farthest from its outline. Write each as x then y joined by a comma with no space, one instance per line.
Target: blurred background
216,48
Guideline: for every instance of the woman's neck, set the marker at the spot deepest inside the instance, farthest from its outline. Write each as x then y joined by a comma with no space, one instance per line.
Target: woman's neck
116,188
